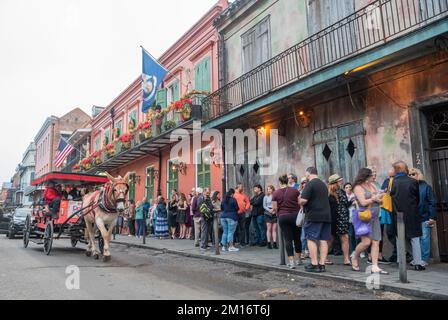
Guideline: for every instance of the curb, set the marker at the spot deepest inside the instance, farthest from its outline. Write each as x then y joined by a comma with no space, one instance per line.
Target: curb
405,291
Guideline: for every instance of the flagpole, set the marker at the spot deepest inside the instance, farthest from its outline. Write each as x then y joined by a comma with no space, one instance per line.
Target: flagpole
168,71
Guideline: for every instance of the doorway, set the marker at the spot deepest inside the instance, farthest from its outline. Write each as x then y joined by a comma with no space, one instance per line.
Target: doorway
437,124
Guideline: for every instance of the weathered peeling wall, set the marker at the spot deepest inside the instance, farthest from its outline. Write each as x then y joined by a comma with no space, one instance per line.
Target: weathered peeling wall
381,101
287,23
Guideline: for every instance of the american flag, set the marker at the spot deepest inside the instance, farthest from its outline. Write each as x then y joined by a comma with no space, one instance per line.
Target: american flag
64,149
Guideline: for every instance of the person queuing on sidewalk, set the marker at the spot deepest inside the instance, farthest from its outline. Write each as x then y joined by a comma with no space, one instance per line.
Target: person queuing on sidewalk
305,252
229,221
314,199
152,217
381,258
243,221
270,217
195,204
391,229
172,214
191,218
340,216
189,223
206,209
216,201
131,220
348,188
285,203
182,215
292,181
405,195
146,205
368,196
428,213
139,218
257,216
161,215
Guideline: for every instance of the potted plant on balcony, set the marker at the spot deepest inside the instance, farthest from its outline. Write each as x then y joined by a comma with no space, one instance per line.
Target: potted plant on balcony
110,150
126,140
183,106
169,124
86,163
96,158
145,130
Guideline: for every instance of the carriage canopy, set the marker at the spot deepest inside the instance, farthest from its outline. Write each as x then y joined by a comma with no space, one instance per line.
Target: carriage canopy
74,179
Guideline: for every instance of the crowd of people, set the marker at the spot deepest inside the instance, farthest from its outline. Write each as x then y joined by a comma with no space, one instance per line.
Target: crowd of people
315,217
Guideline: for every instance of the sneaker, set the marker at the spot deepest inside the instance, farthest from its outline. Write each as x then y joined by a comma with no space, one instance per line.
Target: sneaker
275,245
312,268
362,255
291,265
298,262
224,249
321,268
233,249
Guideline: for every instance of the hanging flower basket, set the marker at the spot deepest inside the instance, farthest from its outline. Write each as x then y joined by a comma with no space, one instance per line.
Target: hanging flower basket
126,141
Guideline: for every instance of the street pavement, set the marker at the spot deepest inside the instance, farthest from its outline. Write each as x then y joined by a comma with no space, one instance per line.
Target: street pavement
137,273
429,284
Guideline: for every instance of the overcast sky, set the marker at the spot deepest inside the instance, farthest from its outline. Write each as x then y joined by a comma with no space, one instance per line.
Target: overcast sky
59,54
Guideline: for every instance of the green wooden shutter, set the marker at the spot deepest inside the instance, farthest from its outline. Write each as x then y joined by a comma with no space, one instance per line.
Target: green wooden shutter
203,170
203,75
150,183
161,98
206,75
132,187
176,91
172,178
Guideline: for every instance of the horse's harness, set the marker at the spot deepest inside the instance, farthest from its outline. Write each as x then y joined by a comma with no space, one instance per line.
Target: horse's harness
103,200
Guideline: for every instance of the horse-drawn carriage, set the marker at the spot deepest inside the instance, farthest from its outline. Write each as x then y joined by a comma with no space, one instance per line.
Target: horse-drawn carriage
69,223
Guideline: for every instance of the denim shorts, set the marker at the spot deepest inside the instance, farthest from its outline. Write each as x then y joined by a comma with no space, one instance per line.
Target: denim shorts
316,231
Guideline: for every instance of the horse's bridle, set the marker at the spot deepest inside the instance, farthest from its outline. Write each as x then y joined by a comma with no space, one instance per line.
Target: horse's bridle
121,193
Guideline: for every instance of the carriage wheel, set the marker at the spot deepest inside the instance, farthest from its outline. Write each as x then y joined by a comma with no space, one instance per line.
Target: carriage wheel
26,232
74,242
48,237
101,243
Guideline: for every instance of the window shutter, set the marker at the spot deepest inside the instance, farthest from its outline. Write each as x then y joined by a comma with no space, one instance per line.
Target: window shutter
248,42
198,76
176,91
206,75
132,187
150,183
161,98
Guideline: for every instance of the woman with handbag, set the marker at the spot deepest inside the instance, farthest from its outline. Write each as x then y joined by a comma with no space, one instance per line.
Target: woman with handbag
270,219
285,203
340,218
369,198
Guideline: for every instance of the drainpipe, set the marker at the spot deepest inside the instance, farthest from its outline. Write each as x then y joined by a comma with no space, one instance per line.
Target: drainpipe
159,178
52,148
224,167
221,60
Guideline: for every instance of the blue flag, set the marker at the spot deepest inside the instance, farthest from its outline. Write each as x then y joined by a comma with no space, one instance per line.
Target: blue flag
152,77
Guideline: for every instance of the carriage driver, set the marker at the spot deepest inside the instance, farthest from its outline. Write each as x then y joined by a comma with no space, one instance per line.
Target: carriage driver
52,198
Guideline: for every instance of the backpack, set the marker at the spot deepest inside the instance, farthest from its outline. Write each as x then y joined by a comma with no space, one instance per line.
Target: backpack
206,210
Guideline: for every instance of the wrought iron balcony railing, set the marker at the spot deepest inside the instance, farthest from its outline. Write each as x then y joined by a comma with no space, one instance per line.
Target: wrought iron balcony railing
373,25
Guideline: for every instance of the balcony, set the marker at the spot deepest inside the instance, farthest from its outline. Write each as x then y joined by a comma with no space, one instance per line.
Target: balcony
149,137
374,25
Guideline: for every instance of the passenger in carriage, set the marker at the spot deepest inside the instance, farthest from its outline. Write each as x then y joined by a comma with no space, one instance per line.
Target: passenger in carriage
52,198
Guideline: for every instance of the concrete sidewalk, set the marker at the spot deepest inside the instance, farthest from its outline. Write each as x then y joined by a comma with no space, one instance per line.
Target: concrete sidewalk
429,284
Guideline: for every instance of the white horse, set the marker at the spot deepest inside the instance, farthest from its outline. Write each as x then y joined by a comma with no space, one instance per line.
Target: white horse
106,205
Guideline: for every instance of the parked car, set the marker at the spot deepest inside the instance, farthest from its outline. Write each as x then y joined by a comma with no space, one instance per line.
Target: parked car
12,224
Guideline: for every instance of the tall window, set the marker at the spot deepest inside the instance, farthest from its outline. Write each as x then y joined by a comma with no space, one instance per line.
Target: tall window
150,183
161,98
173,177
203,168
256,45
107,135
202,79
133,117
119,127
173,92
97,143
